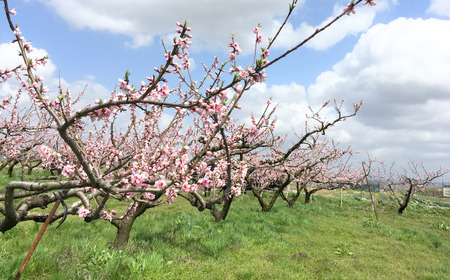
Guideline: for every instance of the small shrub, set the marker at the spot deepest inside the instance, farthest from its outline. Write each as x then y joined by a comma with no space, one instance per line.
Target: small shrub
370,223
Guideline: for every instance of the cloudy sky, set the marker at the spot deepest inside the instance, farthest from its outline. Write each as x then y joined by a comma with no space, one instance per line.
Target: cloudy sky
394,56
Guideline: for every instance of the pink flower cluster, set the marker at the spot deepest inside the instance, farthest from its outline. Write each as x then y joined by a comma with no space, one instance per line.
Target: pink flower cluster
5,74
138,179
83,212
235,191
50,158
248,72
171,194
103,113
148,196
68,170
108,216
160,184
235,50
350,9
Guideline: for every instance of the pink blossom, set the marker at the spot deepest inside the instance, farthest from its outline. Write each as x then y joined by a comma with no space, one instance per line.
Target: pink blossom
17,31
370,2
269,101
202,166
265,54
242,73
83,212
254,130
259,39
223,95
13,12
171,193
235,191
183,43
68,170
165,91
28,48
350,9
49,157
139,179
238,89
160,184
232,57
148,195
262,77
204,183
237,49
217,107
107,216
124,86
186,187
256,30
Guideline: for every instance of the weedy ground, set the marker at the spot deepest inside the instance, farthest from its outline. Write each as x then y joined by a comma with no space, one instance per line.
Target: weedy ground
320,240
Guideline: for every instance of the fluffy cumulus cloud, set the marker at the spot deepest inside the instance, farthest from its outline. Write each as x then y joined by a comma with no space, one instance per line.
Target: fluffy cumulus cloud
401,72
291,105
9,58
212,21
440,7
348,25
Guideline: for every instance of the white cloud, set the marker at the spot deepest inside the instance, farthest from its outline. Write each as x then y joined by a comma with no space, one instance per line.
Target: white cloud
212,21
212,24
401,72
347,25
9,58
440,7
291,105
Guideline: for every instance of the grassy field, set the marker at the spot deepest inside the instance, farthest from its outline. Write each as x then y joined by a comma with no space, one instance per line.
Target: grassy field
320,240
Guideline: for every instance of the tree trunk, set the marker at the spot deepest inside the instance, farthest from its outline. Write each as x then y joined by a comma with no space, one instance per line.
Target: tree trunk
11,168
294,198
221,215
308,194
307,197
408,197
265,207
124,226
402,208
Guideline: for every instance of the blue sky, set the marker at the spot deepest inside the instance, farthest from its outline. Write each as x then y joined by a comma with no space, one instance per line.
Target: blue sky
393,56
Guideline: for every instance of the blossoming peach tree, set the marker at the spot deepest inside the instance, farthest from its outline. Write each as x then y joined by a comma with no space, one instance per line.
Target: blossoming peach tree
404,183
143,162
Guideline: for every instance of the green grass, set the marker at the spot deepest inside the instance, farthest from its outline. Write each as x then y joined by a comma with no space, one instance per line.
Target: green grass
316,241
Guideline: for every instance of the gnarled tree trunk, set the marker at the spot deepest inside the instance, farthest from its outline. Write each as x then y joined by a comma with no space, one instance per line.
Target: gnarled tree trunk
294,198
124,226
308,194
266,207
